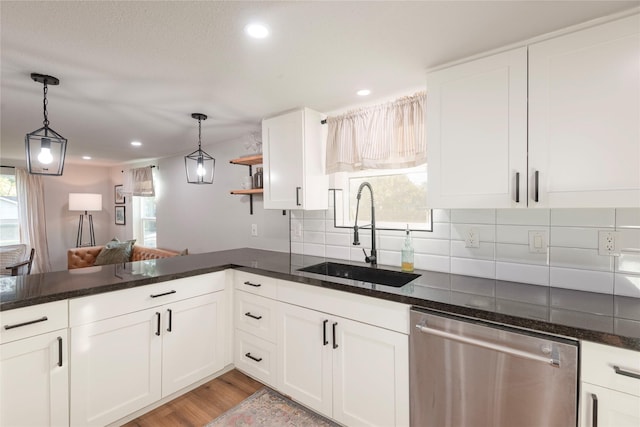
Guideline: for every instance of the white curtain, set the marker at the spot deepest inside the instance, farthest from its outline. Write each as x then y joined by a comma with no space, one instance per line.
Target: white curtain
386,136
32,218
139,182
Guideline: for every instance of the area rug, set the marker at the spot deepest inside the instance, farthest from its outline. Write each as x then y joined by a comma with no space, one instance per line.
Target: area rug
268,408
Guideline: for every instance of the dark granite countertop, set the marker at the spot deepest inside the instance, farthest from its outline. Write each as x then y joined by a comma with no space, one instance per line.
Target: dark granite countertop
607,319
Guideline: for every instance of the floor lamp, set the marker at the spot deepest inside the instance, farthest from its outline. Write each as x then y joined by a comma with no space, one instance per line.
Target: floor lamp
85,202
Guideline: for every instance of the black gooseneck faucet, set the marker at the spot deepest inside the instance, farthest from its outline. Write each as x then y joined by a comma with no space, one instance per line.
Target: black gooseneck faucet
373,258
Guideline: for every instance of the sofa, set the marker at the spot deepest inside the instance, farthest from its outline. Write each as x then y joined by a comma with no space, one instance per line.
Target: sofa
86,256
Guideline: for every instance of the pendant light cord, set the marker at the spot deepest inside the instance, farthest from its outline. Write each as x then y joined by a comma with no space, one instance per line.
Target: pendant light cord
44,106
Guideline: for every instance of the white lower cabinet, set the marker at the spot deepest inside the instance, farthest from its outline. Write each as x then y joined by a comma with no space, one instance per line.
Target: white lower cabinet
350,371
128,361
34,381
610,388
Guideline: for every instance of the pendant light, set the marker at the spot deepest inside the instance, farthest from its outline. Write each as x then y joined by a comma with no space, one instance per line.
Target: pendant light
45,147
199,165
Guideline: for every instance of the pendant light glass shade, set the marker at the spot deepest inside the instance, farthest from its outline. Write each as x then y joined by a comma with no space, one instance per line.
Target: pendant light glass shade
198,165
45,148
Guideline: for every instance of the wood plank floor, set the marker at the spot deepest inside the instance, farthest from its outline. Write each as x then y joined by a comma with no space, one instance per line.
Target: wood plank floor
201,405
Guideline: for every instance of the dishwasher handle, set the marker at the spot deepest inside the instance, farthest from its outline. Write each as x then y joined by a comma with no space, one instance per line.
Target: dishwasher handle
555,361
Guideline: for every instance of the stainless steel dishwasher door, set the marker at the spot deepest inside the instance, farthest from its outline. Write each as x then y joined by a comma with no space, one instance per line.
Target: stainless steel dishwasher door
465,373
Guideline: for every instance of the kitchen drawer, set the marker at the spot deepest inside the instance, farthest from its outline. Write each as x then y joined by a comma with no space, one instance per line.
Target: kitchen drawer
255,284
256,315
598,367
110,304
34,320
255,357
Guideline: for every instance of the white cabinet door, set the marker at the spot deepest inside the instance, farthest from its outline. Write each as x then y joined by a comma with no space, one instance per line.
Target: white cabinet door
116,367
477,133
304,366
34,383
584,109
193,339
611,408
294,160
370,375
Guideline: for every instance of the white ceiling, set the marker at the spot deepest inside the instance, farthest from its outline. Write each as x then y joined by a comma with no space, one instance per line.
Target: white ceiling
136,70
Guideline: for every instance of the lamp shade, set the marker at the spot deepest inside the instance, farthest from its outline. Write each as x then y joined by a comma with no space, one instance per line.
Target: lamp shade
85,202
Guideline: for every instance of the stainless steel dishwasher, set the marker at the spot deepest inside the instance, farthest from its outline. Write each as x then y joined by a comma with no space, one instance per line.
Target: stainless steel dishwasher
468,373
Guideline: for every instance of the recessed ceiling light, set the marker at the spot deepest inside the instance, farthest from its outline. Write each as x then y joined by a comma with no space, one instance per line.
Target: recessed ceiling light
136,143
86,157
364,92
257,31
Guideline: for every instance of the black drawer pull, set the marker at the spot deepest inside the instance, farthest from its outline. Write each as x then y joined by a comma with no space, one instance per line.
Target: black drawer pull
257,359
324,332
163,294
30,322
594,410
59,351
170,319
536,180
157,323
626,373
255,285
248,314
335,344
298,196
517,187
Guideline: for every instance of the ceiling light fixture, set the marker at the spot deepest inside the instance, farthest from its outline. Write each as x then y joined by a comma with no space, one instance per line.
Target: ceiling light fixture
256,31
363,92
136,143
198,165
45,147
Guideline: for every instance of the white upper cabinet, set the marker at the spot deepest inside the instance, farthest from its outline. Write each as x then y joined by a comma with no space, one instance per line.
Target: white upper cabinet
477,133
574,143
294,161
584,117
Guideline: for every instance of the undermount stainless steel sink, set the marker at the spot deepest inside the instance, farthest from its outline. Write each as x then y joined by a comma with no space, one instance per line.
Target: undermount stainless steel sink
364,274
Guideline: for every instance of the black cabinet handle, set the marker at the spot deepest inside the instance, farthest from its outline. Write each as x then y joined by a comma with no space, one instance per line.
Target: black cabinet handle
59,351
253,316
30,322
163,294
324,332
170,319
626,373
594,410
257,359
157,323
517,187
536,182
298,195
255,285
335,344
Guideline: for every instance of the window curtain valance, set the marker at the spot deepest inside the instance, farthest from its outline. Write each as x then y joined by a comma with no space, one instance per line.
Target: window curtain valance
386,136
139,182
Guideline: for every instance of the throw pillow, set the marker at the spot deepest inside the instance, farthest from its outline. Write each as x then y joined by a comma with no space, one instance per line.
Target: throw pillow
115,252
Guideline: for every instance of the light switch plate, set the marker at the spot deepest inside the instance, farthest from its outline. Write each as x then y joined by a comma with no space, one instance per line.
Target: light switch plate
538,241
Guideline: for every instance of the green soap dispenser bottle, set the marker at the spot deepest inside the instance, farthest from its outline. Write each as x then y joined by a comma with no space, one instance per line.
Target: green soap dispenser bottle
407,252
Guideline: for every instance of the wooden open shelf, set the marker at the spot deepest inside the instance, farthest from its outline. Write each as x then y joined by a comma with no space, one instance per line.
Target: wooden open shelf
250,191
248,160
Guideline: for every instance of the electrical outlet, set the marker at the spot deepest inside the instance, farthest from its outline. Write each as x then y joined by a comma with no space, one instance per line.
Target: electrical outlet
471,239
254,229
538,241
608,243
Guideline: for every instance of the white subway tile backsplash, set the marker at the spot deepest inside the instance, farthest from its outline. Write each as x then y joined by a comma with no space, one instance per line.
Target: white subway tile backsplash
440,231
390,258
432,262
602,217
313,249
330,228
313,224
337,239
587,259
629,240
484,251
473,216
518,234
506,252
628,262
473,267
338,252
627,285
523,273
314,214
582,280
440,215
313,237
628,217
432,246
574,237
297,214
486,233
523,216
297,248
393,243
